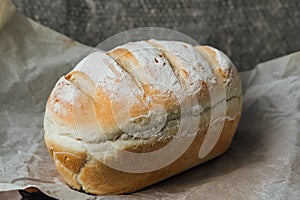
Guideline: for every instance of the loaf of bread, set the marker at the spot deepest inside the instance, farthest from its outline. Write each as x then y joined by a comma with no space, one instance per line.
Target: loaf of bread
125,119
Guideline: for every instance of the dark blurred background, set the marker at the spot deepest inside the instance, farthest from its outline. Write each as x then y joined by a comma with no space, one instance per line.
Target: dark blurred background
249,32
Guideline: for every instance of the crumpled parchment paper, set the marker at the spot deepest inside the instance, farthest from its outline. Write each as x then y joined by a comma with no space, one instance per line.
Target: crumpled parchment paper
262,163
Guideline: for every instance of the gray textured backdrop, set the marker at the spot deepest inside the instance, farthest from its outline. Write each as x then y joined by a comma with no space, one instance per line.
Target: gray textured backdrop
248,31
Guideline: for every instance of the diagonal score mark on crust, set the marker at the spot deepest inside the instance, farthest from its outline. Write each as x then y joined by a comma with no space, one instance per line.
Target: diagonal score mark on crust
118,53
82,82
177,72
112,68
215,58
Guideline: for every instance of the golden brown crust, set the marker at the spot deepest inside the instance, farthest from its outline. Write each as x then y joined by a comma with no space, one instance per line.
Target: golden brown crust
84,172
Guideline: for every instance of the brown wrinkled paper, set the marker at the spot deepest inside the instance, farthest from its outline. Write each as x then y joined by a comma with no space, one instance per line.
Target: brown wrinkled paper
263,161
